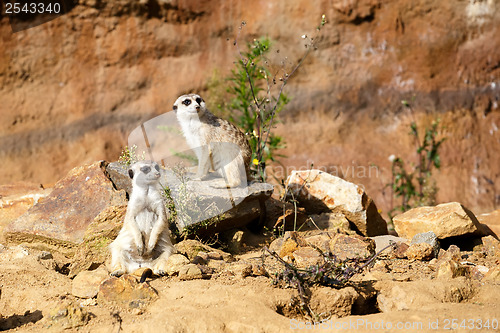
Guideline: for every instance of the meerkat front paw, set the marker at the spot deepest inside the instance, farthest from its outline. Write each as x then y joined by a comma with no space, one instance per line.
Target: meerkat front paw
118,273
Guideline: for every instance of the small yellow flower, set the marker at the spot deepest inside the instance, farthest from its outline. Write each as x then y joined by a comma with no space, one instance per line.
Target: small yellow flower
255,161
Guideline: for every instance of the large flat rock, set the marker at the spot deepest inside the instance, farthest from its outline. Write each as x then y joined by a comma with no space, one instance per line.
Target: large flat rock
319,192
445,220
61,218
200,206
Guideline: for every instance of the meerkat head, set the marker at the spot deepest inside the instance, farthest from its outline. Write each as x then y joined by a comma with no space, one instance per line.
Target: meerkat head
144,173
191,104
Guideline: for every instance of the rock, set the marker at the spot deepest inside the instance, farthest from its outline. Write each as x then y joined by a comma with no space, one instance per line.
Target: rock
351,247
491,246
429,238
67,315
192,271
174,263
331,221
60,220
320,192
45,255
399,251
276,244
321,241
93,251
385,240
493,274
420,251
191,247
288,247
126,291
240,269
202,209
235,242
397,299
490,222
449,269
445,220
17,198
86,283
453,253
214,255
336,302
477,272
306,256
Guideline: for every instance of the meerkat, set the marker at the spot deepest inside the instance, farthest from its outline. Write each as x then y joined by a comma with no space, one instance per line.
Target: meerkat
217,143
144,240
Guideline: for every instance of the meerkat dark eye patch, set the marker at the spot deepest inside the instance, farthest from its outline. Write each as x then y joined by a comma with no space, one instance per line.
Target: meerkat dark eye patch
157,167
186,102
146,169
131,173
199,100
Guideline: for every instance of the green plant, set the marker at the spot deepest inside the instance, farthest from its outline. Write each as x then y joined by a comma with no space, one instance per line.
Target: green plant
129,156
417,186
257,97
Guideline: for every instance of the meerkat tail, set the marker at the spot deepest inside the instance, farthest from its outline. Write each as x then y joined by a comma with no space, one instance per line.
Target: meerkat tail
145,275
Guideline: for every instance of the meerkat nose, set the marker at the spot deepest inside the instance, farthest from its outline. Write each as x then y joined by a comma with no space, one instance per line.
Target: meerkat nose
197,107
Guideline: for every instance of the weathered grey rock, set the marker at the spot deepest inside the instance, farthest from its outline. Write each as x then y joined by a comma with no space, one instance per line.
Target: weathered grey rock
429,238
174,263
200,207
420,251
126,291
86,283
60,220
352,246
445,220
306,256
320,192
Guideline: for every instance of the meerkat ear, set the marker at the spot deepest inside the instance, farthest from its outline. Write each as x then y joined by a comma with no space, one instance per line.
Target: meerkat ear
131,173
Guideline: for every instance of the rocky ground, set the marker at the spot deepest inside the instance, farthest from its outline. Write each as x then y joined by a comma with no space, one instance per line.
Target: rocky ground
443,271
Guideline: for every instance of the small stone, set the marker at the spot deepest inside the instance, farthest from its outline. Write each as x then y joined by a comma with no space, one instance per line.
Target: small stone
321,241
235,243
88,302
214,255
493,274
67,315
174,263
352,247
420,251
491,246
276,244
86,283
259,270
453,253
399,251
449,269
381,266
45,255
306,256
191,272
191,248
429,238
332,221
288,247
126,291
383,241
240,269
477,272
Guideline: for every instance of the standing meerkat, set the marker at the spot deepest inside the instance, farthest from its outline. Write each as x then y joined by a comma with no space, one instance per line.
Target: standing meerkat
144,240
218,144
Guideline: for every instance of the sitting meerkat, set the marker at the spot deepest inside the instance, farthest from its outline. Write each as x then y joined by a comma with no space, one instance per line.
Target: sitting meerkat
144,240
218,144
